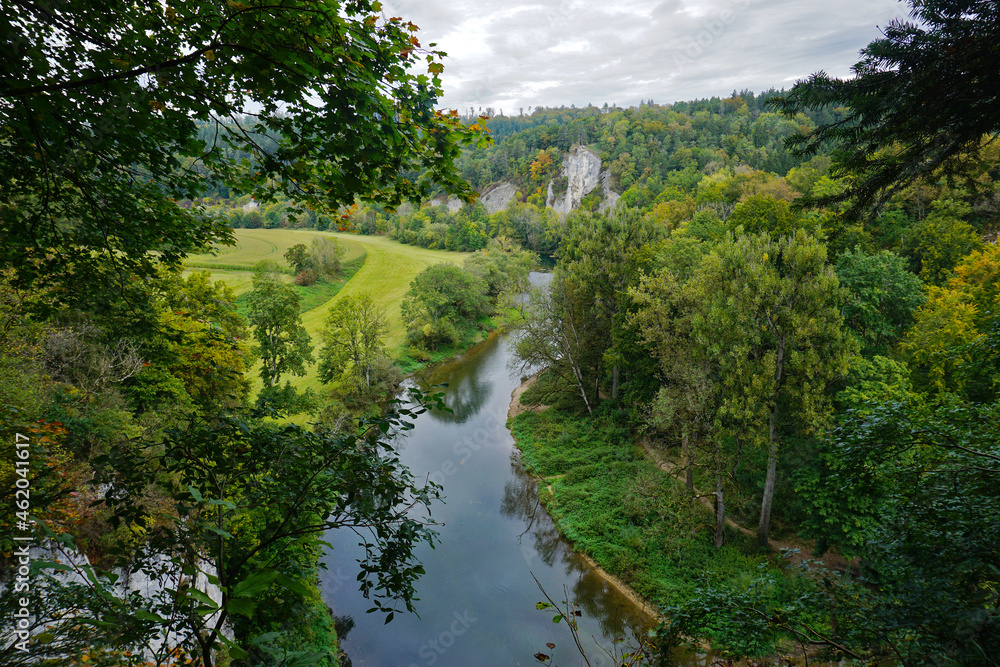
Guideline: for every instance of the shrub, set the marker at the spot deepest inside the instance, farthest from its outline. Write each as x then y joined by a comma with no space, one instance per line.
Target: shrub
305,277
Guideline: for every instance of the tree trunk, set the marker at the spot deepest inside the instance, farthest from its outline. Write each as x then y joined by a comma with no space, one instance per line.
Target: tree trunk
689,445
614,382
772,450
577,371
720,512
765,506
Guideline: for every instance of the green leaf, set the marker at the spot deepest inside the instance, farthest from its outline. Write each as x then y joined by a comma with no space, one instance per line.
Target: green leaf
254,584
202,597
144,615
293,585
238,653
218,531
195,493
241,606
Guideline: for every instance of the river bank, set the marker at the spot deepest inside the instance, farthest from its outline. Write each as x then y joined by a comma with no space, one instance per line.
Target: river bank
632,518
495,540
516,408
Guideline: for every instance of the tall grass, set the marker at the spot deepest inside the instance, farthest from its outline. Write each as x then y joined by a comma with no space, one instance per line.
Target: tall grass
634,519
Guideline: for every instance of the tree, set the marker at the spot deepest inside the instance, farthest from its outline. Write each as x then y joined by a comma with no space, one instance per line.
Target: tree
100,113
504,267
762,213
325,256
205,340
283,345
931,552
297,257
352,340
688,400
941,240
770,317
951,325
550,338
600,257
442,300
881,297
920,102
241,504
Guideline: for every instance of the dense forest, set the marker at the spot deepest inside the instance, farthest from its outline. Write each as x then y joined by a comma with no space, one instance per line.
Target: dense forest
770,349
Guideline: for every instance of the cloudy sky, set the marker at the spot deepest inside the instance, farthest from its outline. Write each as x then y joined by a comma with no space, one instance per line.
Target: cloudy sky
512,54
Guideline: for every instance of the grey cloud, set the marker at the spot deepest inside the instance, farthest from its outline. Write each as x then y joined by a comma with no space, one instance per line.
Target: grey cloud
667,51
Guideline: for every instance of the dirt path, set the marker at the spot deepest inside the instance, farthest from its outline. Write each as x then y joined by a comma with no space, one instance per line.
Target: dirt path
801,550
674,471
830,560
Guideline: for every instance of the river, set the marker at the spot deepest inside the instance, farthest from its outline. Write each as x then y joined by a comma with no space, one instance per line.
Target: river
477,599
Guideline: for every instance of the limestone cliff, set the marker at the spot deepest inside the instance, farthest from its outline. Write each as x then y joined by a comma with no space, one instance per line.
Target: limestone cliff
610,196
453,203
581,172
498,197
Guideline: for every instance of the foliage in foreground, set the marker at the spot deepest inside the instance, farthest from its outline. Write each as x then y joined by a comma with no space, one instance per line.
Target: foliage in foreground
242,505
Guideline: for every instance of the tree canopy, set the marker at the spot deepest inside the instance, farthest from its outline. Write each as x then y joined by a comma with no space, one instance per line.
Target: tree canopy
100,106
922,100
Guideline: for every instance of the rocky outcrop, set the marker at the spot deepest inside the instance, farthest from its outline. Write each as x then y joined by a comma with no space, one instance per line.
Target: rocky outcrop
498,197
581,173
75,567
453,203
610,196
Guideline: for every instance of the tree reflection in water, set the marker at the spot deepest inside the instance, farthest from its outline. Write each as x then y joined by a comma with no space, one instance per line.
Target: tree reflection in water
592,593
467,389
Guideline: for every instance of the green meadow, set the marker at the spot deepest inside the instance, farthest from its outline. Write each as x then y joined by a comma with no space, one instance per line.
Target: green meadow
387,270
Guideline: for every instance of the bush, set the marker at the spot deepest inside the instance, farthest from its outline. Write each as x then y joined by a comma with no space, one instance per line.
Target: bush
305,277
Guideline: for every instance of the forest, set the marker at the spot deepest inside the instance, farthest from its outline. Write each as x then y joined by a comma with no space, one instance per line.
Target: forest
768,360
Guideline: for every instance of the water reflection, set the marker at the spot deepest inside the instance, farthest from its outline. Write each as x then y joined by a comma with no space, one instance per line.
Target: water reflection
520,501
467,390
495,536
593,594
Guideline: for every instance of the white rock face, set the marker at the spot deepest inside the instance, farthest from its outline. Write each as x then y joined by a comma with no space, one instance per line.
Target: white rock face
453,203
498,197
582,171
610,196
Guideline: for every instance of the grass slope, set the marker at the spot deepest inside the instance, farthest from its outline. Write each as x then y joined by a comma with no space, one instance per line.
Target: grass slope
254,245
388,269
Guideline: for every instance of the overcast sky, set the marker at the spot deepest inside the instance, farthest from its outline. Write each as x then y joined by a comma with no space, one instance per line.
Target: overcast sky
512,54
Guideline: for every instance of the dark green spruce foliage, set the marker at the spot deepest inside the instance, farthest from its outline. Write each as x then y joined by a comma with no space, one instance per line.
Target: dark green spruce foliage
921,100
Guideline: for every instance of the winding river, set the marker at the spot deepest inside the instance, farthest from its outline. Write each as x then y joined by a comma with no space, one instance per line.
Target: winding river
477,599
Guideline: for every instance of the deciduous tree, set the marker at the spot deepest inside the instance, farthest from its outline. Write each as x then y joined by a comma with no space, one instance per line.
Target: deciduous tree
770,317
352,339
99,108
283,345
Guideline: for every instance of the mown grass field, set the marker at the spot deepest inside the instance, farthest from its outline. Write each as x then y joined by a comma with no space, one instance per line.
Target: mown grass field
388,269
